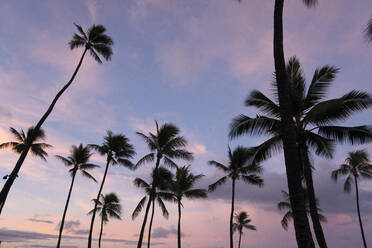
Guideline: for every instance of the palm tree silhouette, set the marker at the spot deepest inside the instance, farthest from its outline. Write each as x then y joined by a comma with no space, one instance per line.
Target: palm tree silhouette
108,207
156,190
183,187
118,151
21,139
357,165
242,222
97,43
166,144
240,166
78,161
288,216
368,30
314,123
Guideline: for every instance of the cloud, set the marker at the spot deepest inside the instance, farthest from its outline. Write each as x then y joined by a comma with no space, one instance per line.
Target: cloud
161,232
40,220
198,149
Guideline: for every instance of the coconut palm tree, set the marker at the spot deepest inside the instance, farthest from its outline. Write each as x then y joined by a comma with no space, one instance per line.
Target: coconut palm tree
183,187
77,161
288,216
242,222
118,151
164,145
108,207
98,44
357,165
240,166
314,123
21,139
368,30
155,191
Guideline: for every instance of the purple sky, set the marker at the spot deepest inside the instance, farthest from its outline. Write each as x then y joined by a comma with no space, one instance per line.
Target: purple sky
191,63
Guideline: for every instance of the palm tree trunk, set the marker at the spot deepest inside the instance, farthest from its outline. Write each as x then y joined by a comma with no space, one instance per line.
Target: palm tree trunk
139,245
297,199
179,225
232,214
8,184
358,209
100,234
150,225
96,202
318,230
240,238
65,211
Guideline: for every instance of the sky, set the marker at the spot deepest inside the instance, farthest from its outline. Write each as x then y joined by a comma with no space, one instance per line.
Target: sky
191,63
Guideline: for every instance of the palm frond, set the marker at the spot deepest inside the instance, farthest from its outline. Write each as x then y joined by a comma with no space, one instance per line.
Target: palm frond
253,179
352,135
218,165
218,183
86,174
139,207
310,3
162,207
64,160
263,103
347,185
368,30
146,159
322,146
268,148
243,124
95,56
140,183
196,193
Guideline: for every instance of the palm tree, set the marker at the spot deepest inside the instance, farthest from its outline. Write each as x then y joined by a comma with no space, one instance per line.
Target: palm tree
368,30
161,179
288,216
314,123
357,165
118,151
96,42
78,161
183,186
21,139
107,207
242,222
166,144
240,166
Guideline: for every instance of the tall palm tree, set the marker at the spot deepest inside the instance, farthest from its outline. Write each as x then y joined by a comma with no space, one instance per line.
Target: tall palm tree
314,122
166,145
242,222
118,151
108,207
78,161
97,43
240,166
357,165
183,187
368,30
155,191
288,216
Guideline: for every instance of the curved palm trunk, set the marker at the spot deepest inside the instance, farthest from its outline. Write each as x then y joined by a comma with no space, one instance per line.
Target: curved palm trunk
358,209
150,225
65,211
318,230
96,202
179,225
297,199
8,184
139,245
100,234
232,214
240,238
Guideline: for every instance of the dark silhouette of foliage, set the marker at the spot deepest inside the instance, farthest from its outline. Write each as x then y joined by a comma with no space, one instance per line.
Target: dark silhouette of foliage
242,222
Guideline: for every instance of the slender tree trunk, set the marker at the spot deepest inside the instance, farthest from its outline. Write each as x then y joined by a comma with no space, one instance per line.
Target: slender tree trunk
8,184
297,199
96,202
150,224
240,238
318,230
358,209
179,225
232,214
139,245
100,234
65,211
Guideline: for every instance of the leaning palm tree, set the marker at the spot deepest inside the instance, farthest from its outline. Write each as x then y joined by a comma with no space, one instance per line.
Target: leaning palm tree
118,151
357,165
240,166
155,191
183,187
108,207
288,216
368,30
314,117
21,140
242,222
78,161
164,145
97,43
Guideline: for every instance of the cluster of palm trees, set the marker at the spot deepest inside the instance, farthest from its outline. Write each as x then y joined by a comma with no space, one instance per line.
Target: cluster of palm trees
298,120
